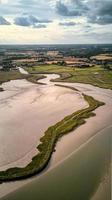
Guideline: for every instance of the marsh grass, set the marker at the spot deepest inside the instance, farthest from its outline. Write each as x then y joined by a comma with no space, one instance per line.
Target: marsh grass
96,76
11,75
49,140
16,75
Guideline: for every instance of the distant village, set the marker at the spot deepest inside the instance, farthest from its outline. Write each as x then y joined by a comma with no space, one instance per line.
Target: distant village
13,59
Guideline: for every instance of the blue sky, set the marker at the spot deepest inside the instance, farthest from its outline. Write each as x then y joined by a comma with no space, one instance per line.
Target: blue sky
55,21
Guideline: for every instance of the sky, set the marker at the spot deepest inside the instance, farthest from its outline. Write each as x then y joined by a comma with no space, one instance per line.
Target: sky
55,21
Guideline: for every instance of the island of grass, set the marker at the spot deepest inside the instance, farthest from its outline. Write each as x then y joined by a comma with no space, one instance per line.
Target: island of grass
49,140
97,75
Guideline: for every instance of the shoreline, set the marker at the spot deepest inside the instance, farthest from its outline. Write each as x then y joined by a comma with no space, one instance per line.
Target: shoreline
36,187
48,142
40,99
66,76
79,129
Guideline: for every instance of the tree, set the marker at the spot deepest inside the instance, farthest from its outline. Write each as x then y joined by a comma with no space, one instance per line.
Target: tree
107,66
7,65
62,63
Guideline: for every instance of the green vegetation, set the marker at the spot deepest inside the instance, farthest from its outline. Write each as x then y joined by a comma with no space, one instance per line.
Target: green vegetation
107,66
96,76
35,78
65,86
10,75
48,142
50,69
6,76
7,65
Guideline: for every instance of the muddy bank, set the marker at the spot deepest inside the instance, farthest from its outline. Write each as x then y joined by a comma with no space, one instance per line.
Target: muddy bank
26,111
77,177
52,103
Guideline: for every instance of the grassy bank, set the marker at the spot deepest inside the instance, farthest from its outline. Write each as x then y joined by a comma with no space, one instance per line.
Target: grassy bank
96,76
15,75
69,87
34,78
49,140
11,75
76,178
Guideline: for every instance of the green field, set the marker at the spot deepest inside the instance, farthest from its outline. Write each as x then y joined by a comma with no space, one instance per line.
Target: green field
96,76
49,140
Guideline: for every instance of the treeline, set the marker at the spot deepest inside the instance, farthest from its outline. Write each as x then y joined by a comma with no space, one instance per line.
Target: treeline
17,57
6,65
82,53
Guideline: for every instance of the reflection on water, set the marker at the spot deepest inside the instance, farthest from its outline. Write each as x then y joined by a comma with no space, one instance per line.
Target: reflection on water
22,71
27,110
75,178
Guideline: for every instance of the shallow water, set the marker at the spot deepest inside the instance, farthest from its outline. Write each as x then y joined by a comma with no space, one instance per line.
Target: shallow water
77,177
26,108
27,112
22,71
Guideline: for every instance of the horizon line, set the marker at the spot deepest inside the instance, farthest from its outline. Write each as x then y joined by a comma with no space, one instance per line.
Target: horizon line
61,44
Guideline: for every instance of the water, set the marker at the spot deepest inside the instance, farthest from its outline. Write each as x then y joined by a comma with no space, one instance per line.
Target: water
77,177
22,71
27,110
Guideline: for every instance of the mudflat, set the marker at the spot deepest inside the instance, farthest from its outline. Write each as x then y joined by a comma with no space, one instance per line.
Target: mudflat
50,96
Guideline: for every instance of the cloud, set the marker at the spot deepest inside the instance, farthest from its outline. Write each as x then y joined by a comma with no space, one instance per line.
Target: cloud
105,7
90,17
3,21
101,20
44,21
12,8
3,1
40,26
100,12
32,19
95,11
74,8
22,21
80,4
26,20
67,23
63,10
27,2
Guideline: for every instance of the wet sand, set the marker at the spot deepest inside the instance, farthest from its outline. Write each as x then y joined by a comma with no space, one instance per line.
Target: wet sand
51,102
26,111
76,177
103,119
27,114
